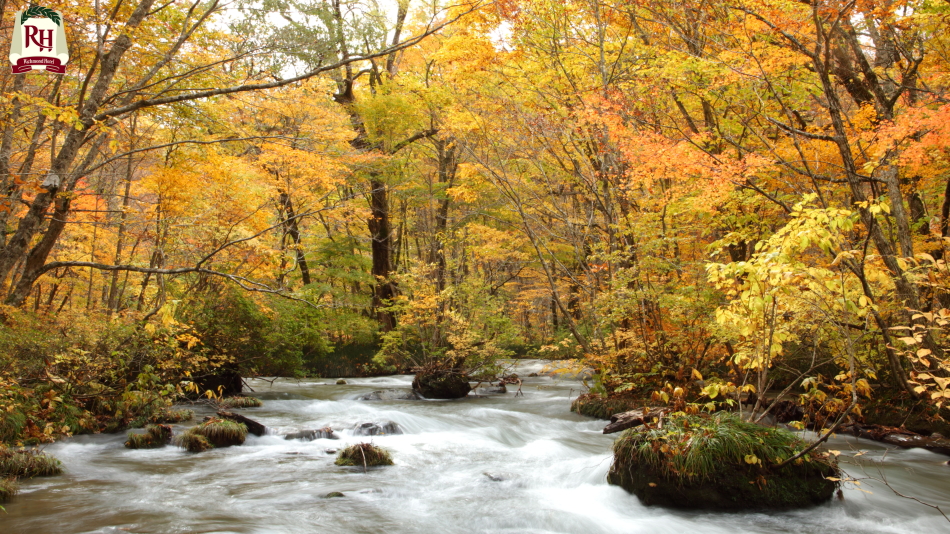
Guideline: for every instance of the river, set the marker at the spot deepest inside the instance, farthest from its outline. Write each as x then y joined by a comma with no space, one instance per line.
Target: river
499,464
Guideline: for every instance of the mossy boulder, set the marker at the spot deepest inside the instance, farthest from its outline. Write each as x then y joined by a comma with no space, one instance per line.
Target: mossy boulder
8,488
28,463
155,437
193,442
213,432
720,462
240,402
365,455
441,384
594,405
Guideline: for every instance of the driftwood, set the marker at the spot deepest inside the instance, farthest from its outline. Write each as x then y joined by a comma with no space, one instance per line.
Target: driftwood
625,420
252,426
900,437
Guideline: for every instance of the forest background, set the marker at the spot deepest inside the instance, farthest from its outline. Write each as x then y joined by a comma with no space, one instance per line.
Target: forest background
696,199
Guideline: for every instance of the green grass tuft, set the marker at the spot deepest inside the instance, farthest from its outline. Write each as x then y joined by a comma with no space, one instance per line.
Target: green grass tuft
8,488
193,442
28,463
698,447
155,436
168,416
216,432
364,454
593,405
240,402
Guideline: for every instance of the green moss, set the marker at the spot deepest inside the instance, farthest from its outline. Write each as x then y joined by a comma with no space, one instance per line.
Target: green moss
193,442
217,432
240,402
719,462
593,405
8,488
28,463
155,436
364,454
169,416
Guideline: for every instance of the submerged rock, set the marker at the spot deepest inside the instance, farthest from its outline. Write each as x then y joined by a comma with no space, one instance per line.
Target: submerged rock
333,494
341,382
310,435
376,429
390,395
719,462
492,390
443,384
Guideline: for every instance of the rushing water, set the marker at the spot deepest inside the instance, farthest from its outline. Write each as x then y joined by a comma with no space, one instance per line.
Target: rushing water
491,464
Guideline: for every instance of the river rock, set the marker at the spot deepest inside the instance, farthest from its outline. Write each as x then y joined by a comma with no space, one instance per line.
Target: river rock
310,435
666,466
390,395
533,375
341,382
441,384
376,429
333,494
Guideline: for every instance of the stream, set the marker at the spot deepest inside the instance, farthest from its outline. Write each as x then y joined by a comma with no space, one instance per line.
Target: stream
495,464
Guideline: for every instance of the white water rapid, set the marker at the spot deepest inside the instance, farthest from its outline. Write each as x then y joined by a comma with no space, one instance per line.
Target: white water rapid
500,464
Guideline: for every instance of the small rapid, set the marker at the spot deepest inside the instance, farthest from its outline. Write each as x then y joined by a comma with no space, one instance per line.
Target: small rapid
498,464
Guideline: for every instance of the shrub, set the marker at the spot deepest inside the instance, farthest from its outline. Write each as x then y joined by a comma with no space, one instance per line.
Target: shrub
8,488
155,436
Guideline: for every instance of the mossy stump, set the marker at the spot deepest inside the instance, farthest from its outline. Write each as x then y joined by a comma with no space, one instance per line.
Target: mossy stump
155,437
28,463
719,462
8,488
594,405
240,402
212,433
365,455
442,384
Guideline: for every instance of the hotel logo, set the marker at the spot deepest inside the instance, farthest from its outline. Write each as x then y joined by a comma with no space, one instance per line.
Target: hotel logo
39,41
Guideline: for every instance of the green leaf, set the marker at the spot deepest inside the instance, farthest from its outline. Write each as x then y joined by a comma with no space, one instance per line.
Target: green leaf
37,11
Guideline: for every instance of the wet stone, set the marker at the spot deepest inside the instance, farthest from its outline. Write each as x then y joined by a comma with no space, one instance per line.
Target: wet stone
390,395
376,429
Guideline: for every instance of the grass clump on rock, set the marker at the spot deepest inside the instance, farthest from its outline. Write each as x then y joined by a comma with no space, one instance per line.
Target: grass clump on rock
364,454
240,402
594,405
719,462
155,436
28,463
212,433
168,416
8,488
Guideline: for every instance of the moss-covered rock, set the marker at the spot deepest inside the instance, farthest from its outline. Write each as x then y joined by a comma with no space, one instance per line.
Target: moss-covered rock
593,405
213,432
364,454
719,462
155,436
8,488
28,463
240,402
169,416
441,384
193,442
